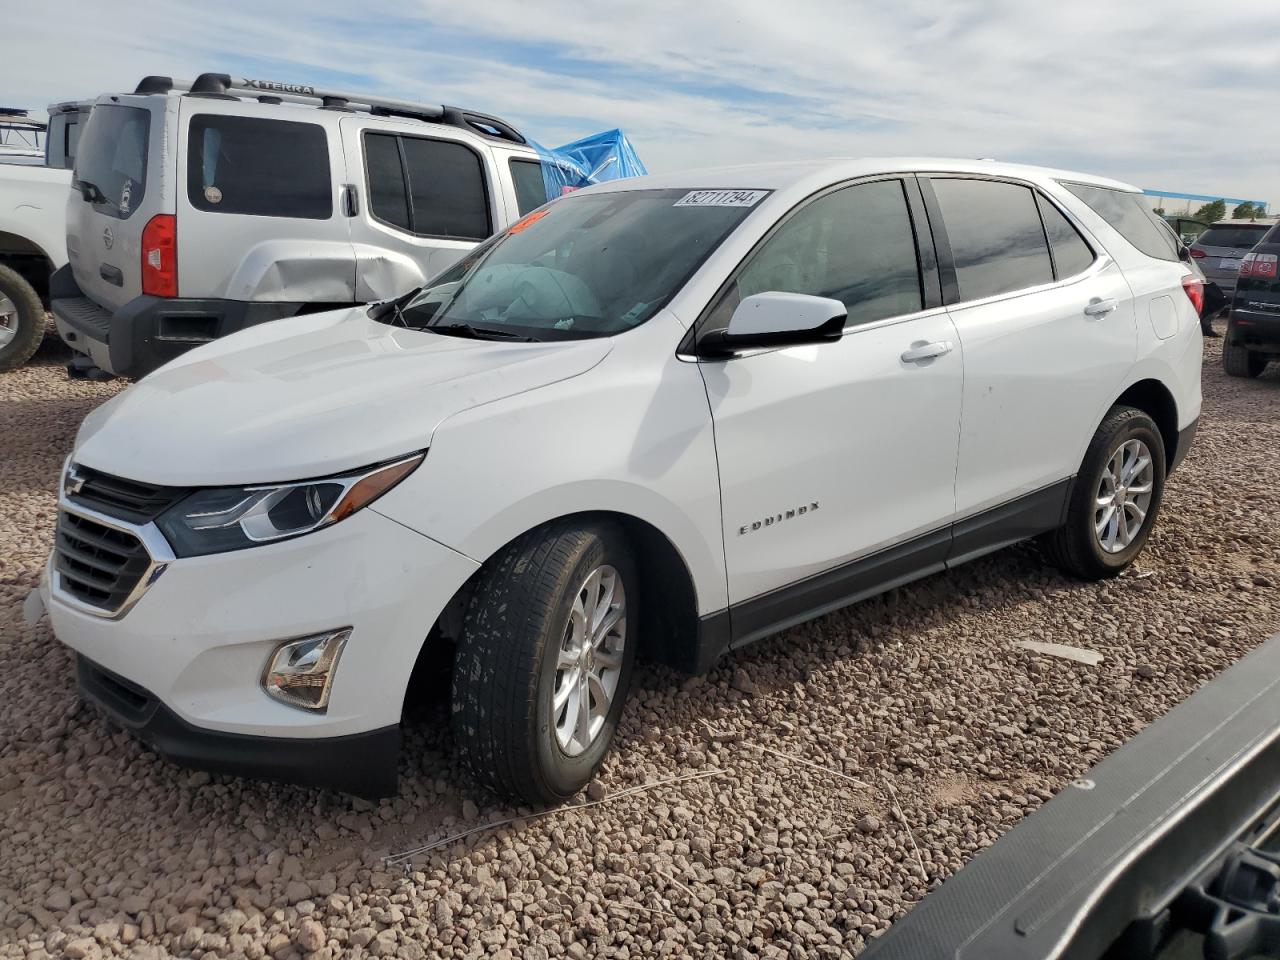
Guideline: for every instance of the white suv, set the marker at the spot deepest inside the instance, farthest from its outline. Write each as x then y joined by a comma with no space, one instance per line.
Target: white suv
662,419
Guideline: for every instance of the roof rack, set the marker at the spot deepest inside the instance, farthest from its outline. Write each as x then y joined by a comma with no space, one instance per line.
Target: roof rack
223,86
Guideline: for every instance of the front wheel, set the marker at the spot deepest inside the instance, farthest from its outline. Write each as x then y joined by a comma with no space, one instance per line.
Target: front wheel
544,661
1115,498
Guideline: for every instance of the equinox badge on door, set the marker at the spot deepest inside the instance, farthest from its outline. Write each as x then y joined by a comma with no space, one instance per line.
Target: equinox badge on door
778,518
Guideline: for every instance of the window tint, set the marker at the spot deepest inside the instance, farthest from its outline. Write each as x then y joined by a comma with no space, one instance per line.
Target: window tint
591,265
1232,236
855,245
388,197
112,157
1071,255
531,191
997,241
447,189
1127,213
258,167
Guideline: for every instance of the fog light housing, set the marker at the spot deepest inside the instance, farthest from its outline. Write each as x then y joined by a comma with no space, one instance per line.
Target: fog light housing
300,672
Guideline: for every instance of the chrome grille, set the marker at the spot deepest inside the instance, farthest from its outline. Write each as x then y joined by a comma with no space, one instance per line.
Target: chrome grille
98,565
117,497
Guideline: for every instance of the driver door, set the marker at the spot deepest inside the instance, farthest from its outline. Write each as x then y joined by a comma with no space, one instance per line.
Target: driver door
838,461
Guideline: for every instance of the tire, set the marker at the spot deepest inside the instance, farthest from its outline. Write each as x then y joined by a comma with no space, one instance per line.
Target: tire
22,328
1077,548
1240,361
506,674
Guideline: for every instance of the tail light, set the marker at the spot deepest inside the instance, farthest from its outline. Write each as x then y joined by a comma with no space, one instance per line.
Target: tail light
1264,266
1197,253
1194,288
160,256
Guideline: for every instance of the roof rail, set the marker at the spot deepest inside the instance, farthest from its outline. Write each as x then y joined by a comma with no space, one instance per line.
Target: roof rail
220,85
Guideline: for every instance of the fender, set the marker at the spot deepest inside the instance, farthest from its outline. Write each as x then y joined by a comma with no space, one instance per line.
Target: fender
317,271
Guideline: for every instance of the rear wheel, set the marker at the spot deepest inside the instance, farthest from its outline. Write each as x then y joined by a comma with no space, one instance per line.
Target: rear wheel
21,319
1115,498
544,661
1240,361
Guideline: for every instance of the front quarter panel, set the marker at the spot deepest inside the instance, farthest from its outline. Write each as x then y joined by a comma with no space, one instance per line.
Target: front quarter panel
632,436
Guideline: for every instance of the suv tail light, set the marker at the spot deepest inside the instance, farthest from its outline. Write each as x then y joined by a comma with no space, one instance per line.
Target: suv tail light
1197,253
1261,265
1194,288
160,256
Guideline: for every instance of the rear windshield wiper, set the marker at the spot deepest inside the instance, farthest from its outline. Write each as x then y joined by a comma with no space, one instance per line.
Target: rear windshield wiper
90,191
458,328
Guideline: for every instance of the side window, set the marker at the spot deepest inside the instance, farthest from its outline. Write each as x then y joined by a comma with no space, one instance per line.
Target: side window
1071,254
447,189
1128,214
259,167
997,241
388,196
855,245
531,192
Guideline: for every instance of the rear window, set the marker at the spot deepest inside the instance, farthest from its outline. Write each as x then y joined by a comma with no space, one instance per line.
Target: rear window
1231,236
1128,215
111,158
258,167
61,139
432,188
531,191
1071,254
997,240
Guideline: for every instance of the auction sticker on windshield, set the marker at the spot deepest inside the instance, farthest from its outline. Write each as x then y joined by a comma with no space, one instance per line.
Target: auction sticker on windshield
721,198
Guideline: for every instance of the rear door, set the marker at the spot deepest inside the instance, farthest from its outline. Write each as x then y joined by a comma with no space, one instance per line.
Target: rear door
426,198
120,172
260,204
1047,323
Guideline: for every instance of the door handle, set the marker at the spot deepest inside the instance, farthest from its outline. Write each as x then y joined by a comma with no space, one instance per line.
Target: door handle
1099,308
927,351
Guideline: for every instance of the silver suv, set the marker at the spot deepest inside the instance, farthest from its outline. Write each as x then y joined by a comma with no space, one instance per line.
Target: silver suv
200,209
1221,248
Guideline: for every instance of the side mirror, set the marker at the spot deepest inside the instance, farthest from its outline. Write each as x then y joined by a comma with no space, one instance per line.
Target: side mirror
770,320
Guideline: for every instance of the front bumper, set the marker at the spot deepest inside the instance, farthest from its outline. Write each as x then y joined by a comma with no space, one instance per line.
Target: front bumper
361,764
197,641
148,332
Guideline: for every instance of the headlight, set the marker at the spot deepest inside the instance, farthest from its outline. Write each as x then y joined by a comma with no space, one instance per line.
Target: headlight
232,518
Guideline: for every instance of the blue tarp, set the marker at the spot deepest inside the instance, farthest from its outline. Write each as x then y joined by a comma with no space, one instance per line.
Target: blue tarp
595,159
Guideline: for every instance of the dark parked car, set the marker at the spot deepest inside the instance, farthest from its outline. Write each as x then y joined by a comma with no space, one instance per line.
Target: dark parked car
1220,250
1169,849
1253,332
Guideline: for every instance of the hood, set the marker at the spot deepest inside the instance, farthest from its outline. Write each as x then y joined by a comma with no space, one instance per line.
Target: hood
309,396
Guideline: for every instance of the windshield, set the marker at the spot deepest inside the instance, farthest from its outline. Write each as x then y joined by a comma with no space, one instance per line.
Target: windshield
591,265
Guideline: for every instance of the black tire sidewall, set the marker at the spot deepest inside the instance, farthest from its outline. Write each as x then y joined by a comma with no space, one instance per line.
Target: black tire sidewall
1130,424
30,331
564,775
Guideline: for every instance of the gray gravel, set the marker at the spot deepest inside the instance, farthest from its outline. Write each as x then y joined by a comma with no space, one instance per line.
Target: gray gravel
852,764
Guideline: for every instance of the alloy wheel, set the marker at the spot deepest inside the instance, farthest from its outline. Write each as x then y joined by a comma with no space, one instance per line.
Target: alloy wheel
589,661
8,321
1123,498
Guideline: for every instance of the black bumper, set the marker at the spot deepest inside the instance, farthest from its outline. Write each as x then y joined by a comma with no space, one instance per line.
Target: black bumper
1254,329
148,332
1186,437
363,764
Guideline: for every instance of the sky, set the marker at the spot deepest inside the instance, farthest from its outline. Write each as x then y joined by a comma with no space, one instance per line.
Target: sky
1173,95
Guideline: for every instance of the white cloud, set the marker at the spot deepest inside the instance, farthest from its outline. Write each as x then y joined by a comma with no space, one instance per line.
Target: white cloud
1156,93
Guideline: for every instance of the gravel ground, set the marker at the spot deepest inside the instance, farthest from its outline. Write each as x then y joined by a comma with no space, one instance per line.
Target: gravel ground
834,774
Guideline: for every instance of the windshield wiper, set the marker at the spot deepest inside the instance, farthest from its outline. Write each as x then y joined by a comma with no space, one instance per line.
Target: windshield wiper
459,328
90,191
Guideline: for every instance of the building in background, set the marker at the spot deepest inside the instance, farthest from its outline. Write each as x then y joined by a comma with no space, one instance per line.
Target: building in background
1186,204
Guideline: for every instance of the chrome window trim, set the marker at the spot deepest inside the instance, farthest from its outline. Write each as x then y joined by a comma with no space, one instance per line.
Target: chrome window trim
153,542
